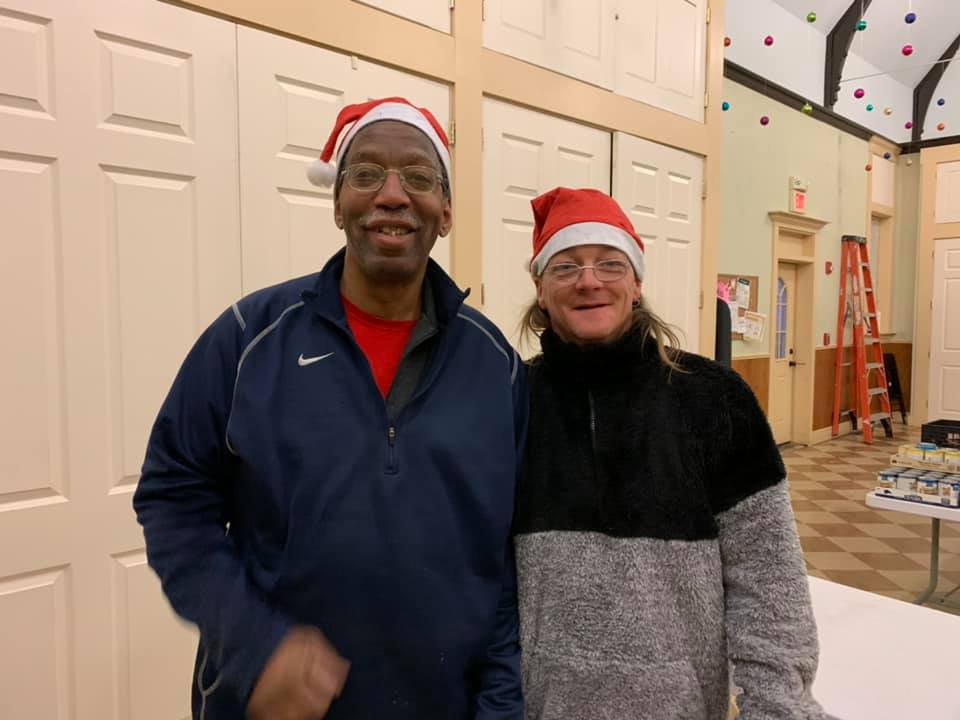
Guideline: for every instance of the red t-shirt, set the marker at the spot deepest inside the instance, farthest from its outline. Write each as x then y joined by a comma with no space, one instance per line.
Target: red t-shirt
382,341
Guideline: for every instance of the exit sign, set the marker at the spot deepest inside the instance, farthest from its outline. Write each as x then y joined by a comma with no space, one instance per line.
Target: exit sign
798,201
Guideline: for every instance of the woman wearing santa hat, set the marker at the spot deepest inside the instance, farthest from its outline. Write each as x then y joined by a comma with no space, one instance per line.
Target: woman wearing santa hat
656,545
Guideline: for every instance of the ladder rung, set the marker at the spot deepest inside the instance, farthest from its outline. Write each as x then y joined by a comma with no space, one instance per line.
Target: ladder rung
846,364
870,314
876,391
868,289
879,416
874,366
866,265
870,341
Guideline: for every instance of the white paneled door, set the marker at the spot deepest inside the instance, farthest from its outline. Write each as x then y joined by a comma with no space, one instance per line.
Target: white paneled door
660,189
573,37
661,54
945,335
526,153
290,94
118,177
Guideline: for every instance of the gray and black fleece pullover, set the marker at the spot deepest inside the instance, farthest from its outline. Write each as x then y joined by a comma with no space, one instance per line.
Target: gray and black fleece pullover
656,546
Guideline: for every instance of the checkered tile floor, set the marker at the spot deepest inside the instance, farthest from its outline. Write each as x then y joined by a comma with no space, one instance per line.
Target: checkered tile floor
845,541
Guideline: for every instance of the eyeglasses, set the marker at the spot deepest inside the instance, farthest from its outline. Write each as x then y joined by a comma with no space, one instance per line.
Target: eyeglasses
565,273
370,177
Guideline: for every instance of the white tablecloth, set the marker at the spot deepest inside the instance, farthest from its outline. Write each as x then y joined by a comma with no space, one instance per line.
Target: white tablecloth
884,659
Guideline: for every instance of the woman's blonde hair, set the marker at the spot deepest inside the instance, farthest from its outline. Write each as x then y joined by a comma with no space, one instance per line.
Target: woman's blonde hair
642,320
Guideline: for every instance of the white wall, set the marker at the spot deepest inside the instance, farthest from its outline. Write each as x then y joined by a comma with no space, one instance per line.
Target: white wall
950,112
795,60
882,91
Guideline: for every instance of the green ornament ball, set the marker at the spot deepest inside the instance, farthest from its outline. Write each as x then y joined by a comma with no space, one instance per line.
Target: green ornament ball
811,17
862,25
807,109
869,108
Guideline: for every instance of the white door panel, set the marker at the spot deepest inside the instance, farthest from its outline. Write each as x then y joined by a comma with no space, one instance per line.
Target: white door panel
948,193
660,55
290,94
660,190
118,185
781,392
525,154
573,37
945,332
432,13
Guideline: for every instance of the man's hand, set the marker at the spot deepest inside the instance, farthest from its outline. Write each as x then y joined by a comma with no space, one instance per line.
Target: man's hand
300,680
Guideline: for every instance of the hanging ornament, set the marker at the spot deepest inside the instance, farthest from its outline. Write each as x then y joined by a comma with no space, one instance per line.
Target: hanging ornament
886,156
869,167
725,106
862,25
811,17
727,42
910,18
907,50
768,40
764,120
869,108
888,111
807,109
908,125
941,127
858,93
909,162
941,102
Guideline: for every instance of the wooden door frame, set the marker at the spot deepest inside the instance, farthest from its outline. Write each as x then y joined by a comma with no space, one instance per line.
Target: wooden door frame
930,232
795,242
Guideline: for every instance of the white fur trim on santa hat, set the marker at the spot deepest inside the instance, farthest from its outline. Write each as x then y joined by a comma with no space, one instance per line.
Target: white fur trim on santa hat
322,173
590,233
401,113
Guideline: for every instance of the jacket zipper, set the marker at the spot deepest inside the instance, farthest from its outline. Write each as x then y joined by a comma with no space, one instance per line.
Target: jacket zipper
392,452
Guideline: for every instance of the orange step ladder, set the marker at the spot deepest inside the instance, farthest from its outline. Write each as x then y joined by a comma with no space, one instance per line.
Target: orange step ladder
867,358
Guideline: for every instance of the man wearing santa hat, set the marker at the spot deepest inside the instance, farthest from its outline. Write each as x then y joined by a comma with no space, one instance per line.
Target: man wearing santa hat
328,488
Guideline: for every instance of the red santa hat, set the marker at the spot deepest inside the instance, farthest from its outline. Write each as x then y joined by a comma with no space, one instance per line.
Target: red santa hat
323,172
565,218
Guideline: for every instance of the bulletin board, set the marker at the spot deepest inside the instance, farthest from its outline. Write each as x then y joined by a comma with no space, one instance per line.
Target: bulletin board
743,296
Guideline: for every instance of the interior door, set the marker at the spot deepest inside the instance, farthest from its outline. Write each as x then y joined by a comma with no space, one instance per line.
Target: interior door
290,94
784,357
120,243
526,153
945,335
660,190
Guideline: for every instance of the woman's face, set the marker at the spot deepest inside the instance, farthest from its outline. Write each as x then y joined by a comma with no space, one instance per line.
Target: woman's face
584,309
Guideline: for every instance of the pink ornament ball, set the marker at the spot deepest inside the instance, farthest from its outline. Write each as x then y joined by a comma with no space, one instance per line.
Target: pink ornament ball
764,120
908,125
907,49
858,93
941,127
768,40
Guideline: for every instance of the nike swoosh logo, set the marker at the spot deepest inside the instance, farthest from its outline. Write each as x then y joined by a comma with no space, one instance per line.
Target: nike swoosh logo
304,361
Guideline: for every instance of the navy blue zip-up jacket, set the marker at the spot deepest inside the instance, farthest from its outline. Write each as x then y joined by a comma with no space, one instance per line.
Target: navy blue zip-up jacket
277,492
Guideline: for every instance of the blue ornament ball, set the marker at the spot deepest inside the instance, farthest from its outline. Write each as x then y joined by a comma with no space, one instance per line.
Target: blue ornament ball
725,106
886,156
910,18
941,102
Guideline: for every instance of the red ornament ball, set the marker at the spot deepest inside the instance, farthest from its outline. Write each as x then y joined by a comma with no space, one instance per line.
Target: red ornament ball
908,125
941,127
727,42
768,40
764,120
907,49
869,167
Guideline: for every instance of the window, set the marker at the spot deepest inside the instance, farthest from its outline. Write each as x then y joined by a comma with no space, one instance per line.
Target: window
781,348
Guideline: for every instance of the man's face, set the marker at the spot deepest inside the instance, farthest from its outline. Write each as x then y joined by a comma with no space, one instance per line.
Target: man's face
390,232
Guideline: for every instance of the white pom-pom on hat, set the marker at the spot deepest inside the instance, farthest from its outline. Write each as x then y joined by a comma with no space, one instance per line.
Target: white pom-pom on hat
321,173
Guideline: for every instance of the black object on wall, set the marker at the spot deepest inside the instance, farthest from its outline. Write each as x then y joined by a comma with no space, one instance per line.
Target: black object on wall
723,347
